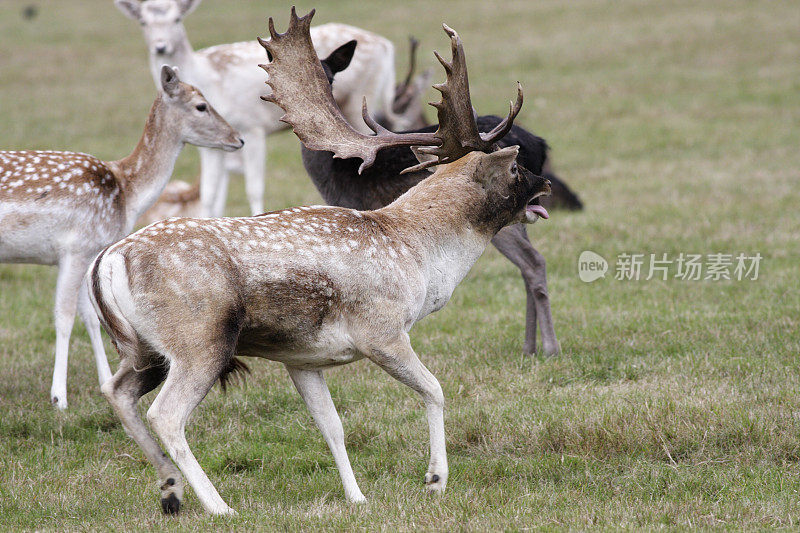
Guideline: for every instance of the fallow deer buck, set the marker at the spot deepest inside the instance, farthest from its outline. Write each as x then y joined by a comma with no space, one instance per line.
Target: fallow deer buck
62,208
228,76
341,183
179,199
310,287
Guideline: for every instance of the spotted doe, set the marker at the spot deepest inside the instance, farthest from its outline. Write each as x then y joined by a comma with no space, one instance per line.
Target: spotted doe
62,208
228,76
310,287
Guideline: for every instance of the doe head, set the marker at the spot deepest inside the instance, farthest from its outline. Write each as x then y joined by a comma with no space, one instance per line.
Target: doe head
199,123
161,21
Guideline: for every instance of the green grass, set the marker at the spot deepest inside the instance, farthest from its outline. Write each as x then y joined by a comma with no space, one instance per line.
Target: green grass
673,404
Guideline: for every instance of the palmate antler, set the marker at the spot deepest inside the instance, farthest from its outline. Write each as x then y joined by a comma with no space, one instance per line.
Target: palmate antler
301,89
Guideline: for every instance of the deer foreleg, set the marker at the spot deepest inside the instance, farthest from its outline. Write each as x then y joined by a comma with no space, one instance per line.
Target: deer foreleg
254,153
400,361
213,182
70,273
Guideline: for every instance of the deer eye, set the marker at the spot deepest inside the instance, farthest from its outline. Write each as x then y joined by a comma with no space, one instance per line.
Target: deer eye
202,107
514,168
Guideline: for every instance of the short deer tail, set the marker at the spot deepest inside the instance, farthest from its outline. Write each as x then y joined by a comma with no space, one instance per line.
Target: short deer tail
122,333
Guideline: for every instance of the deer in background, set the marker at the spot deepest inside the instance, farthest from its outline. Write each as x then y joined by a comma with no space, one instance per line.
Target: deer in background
62,208
407,102
227,76
310,287
179,199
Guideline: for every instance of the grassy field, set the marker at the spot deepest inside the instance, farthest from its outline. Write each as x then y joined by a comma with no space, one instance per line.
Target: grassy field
674,403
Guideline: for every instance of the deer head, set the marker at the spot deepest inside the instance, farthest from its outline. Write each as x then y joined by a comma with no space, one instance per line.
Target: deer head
161,21
199,123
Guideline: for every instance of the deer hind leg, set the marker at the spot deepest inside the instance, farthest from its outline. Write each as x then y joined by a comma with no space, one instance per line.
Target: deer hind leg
184,389
513,243
90,320
254,153
312,388
400,361
70,274
123,392
213,182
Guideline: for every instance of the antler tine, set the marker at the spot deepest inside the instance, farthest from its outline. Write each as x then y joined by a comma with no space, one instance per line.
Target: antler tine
301,89
371,122
500,131
458,127
448,67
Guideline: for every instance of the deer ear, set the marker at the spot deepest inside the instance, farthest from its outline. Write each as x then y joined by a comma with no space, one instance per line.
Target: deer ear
187,6
339,59
422,157
170,82
496,164
130,8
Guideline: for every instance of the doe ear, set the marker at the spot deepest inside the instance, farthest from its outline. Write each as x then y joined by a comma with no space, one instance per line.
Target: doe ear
130,8
339,59
496,163
187,6
170,82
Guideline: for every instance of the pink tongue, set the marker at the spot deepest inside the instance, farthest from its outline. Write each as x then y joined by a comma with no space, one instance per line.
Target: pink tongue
539,210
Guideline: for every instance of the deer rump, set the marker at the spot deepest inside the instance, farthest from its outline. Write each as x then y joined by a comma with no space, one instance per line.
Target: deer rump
340,184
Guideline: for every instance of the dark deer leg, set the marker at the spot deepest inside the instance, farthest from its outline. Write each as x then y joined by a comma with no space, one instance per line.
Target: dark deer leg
514,244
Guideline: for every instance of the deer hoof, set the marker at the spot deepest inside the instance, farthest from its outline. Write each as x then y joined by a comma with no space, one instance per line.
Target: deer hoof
551,351
59,401
435,482
171,504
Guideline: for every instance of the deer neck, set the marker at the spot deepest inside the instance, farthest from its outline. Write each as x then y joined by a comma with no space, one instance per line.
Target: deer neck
438,221
146,171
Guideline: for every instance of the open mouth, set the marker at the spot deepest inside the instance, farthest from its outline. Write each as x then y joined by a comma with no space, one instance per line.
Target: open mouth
535,207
